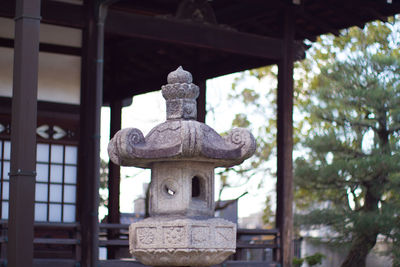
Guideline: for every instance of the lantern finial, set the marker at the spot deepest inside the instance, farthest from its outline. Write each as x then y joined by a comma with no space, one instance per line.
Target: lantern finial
180,94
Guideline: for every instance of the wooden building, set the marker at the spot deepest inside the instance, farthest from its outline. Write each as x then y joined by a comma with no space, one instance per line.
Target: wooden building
52,86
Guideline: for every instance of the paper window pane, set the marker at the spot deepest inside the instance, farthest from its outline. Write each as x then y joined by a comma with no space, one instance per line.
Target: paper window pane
70,193
55,213
40,212
6,189
69,213
6,170
56,173
55,192
7,150
4,210
57,153
41,192
70,174
42,172
71,154
42,152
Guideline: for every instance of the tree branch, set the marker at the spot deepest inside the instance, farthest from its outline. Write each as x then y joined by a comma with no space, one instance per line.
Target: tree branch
229,202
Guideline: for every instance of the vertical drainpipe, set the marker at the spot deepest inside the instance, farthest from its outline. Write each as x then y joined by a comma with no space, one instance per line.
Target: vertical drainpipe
23,133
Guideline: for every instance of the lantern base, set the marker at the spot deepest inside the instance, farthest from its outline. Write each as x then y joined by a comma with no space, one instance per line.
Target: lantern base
158,241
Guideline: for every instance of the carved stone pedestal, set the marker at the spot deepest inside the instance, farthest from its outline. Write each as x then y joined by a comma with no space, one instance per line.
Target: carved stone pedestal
182,242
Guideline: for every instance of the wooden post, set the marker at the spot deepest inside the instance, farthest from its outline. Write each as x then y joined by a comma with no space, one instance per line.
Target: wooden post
114,178
89,143
23,133
284,212
201,101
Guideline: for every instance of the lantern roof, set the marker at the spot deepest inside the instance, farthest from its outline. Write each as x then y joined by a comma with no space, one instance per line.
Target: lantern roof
181,137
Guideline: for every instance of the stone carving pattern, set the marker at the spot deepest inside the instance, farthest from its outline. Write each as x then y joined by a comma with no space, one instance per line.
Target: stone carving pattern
146,235
174,235
182,257
243,138
179,76
180,94
224,235
200,235
123,144
185,242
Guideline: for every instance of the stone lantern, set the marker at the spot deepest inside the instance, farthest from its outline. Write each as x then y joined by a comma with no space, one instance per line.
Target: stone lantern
182,154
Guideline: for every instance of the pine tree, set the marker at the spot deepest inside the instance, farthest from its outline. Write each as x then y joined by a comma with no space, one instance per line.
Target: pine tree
346,124
352,164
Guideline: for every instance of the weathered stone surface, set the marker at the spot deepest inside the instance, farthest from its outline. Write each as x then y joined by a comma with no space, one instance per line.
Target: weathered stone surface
171,190
182,154
180,137
180,94
182,242
177,140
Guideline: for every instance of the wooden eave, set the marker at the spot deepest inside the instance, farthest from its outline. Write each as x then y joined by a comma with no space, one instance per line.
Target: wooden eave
321,16
144,40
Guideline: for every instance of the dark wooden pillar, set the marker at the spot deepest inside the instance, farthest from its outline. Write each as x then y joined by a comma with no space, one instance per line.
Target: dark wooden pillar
284,213
23,133
114,178
89,144
201,101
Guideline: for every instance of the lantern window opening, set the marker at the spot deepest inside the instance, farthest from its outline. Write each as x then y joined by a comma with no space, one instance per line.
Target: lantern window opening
198,187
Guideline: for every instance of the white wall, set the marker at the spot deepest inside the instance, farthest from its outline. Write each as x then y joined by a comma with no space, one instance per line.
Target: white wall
59,75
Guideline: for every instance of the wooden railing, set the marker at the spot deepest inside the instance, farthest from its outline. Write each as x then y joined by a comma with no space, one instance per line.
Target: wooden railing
55,244
253,245
58,244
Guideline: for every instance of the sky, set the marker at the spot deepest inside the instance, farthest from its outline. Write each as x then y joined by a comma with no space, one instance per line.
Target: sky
148,110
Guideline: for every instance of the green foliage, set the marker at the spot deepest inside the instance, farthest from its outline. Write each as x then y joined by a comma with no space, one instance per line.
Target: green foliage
310,260
347,127
315,259
268,216
348,181
297,262
241,121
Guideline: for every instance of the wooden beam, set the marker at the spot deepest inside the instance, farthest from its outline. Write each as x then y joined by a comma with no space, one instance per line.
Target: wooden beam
63,14
140,85
23,134
7,9
45,47
193,34
284,210
240,13
317,22
375,13
53,12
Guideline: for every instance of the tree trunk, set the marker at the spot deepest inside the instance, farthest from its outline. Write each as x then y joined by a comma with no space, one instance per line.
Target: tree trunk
361,246
365,239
